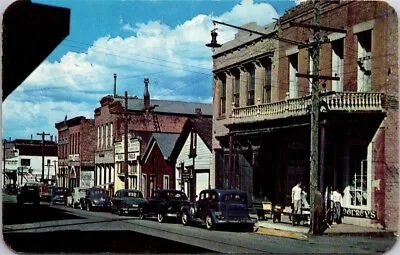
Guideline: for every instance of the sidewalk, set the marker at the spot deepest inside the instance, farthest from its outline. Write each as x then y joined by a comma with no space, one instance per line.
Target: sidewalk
286,229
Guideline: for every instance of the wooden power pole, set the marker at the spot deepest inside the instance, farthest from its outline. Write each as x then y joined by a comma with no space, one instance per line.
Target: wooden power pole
314,50
43,134
126,141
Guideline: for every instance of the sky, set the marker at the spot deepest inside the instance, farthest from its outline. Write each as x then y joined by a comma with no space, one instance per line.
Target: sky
163,40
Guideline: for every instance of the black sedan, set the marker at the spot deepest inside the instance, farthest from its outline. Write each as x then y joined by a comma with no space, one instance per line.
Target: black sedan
59,195
127,201
165,203
96,199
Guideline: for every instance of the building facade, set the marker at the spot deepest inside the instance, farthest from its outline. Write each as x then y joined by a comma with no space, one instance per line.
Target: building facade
192,155
23,161
267,144
76,147
144,116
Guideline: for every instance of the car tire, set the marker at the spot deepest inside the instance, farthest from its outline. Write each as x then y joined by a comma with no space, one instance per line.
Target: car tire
209,223
160,217
141,213
185,219
120,213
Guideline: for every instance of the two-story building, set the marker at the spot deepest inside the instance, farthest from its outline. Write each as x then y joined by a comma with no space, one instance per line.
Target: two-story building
262,117
144,116
76,145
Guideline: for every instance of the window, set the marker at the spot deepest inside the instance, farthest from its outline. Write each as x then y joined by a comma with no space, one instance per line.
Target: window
358,176
166,182
311,71
267,84
193,144
111,135
236,90
144,185
223,98
98,136
364,61
337,64
101,136
25,162
293,69
251,86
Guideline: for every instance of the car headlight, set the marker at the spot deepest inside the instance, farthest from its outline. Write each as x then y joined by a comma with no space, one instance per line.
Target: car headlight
134,205
170,208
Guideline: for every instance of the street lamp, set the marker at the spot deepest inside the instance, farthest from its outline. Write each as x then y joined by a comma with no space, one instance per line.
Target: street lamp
213,44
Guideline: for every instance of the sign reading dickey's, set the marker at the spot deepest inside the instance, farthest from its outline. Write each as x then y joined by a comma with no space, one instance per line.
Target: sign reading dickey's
360,213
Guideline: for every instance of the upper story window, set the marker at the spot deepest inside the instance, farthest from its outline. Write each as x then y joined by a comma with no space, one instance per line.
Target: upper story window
310,71
236,90
111,135
337,64
223,98
251,86
293,69
364,61
193,144
98,136
267,83
107,136
25,162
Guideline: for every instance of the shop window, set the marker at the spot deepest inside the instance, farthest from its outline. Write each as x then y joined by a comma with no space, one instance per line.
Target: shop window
364,61
337,64
267,84
358,173
223,99
293,69
251,86
166,182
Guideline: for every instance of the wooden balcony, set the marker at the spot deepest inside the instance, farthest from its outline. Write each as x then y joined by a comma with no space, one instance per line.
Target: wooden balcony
334,101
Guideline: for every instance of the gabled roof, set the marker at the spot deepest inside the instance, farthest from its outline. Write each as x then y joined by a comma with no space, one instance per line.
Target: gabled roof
166,106
165,142
202,126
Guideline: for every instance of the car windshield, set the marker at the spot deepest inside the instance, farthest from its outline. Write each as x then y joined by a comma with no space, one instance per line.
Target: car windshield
234,197
133,194
175,195
59,191
98,192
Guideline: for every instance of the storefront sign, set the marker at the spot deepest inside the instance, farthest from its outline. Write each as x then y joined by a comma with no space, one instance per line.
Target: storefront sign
359,213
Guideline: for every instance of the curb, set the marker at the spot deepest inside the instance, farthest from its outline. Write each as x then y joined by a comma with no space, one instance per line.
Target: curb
280,233
373,234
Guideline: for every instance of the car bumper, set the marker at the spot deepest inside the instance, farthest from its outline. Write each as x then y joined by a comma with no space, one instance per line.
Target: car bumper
236,221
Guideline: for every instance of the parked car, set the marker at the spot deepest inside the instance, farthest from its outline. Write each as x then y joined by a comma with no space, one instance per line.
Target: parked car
96,199
218,206
11,189
75,197
128,201
45,192
29,193
165,203
59,195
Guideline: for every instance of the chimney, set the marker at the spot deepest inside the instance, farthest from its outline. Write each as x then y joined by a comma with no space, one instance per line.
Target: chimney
55,139
51,138
146,96
31,137
115,85
198,112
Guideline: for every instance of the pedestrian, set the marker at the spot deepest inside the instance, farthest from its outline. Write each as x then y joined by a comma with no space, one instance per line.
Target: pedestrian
296,202
337,206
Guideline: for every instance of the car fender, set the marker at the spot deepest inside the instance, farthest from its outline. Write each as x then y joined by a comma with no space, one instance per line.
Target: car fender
211,212
186,209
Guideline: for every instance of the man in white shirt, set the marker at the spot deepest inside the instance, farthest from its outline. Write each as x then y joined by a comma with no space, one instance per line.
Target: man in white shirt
337,206
296,201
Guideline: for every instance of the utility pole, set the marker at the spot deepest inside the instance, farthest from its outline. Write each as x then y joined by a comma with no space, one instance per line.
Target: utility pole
43,134
314,51
126,140
55,172
4,163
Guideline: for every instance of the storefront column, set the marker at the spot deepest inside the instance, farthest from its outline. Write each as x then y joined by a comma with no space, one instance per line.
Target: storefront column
230,161
244,77
230,82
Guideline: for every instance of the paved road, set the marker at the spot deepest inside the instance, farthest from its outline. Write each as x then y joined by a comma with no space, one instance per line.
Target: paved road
48,228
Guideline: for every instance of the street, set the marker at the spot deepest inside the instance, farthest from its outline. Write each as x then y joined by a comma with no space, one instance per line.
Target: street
46,228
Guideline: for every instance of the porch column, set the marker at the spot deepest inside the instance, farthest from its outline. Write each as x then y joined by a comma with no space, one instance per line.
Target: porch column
217,96
230,161
230,83
244,77
260,82
322,158
107,174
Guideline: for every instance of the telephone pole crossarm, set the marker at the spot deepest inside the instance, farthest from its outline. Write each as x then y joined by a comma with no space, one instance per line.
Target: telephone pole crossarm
320,77
319,27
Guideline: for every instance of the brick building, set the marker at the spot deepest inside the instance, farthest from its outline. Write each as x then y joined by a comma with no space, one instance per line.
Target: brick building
76,145
262,142
145,116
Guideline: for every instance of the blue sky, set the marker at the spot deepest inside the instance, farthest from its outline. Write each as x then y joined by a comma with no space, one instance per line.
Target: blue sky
163,40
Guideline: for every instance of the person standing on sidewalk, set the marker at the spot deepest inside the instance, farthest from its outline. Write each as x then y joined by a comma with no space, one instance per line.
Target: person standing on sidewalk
337,206
296,202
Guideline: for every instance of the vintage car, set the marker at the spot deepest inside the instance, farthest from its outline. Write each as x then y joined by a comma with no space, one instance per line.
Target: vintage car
165,203
29,193
96,199
128,201
75,197
11,189
218,206
45,192
59,195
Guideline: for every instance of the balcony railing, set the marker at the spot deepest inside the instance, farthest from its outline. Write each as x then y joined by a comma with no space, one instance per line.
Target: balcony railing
335,101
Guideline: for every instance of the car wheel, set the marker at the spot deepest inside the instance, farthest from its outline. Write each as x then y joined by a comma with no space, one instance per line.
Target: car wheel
120,212
185,219
141,213
209,223
160,217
